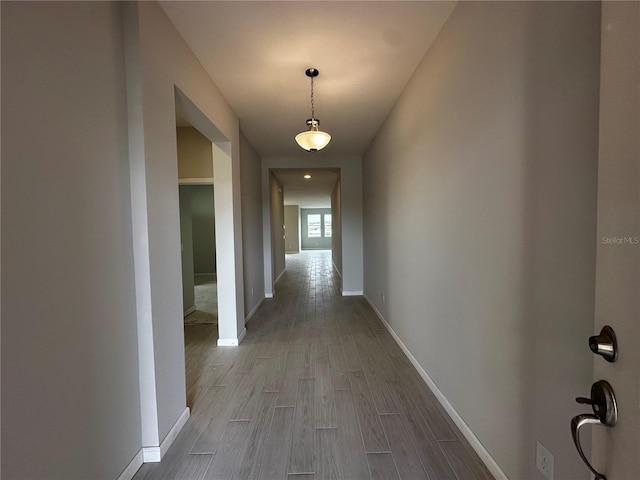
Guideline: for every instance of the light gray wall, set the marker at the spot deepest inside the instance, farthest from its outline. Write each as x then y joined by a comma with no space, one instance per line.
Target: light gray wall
186,242
277,226
291,229
204,241
70,394
336,237
163,75
253,262
351,200
480,199
320,243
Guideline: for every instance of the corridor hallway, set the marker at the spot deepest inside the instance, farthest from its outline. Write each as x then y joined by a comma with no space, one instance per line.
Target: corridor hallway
318,389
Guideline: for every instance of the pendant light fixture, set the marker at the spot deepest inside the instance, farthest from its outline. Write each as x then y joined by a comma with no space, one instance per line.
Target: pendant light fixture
313,139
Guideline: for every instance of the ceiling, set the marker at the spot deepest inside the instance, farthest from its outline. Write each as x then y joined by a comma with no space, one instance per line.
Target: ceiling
314,192
257,52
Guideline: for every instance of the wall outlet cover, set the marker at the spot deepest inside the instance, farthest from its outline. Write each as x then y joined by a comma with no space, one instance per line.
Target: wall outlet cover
544,461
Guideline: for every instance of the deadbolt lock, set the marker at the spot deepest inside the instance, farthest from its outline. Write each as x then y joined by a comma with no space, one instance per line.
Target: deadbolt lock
605,344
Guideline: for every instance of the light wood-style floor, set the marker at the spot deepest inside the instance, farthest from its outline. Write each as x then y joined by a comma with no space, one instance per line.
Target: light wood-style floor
317,390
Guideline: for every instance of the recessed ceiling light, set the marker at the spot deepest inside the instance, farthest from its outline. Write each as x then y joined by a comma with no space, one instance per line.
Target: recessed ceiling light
307,176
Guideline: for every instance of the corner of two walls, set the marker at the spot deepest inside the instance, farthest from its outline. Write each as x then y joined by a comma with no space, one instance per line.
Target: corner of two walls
480,215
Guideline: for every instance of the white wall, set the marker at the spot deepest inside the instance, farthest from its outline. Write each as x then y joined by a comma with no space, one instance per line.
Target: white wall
162,75
479,214
70,394
351,200
251,226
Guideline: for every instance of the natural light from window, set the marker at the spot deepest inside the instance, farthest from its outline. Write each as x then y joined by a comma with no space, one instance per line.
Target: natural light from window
327,224
313,226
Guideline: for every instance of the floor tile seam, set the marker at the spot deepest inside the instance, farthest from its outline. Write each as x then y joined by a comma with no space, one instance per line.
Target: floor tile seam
358,422
449,462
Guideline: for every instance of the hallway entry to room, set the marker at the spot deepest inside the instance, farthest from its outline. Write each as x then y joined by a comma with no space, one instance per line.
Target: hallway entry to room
197,226
318,389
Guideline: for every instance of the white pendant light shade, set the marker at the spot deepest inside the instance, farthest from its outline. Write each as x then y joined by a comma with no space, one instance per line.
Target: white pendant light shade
313,139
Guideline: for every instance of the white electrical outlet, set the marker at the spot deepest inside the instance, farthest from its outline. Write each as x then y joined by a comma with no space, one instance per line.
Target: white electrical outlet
383,301
544,461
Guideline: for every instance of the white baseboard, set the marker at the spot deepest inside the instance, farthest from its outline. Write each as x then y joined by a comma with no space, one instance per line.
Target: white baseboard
151,454
155,454
351,293
280,276
173,433
232,342
336,269
253,311
135,464
475,443
189,310
268,295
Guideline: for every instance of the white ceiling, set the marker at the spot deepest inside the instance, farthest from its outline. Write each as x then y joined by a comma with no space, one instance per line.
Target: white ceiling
257,53
314,192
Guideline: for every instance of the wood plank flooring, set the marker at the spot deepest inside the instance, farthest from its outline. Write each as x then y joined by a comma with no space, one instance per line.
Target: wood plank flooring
317,390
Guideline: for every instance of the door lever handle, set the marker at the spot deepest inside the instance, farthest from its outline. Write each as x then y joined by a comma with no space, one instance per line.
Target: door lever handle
577,423
605,412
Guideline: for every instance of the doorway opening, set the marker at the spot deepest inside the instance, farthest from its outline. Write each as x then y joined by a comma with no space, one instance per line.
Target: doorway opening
198,245
199,277
307,202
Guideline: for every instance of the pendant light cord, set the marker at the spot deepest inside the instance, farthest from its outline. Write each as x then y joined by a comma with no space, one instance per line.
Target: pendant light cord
313,115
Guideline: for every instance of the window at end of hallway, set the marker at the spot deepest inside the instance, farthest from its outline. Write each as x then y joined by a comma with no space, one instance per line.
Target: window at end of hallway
327,224
313,226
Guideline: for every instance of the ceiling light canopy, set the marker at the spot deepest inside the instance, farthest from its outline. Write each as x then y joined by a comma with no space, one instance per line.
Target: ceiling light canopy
313,139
